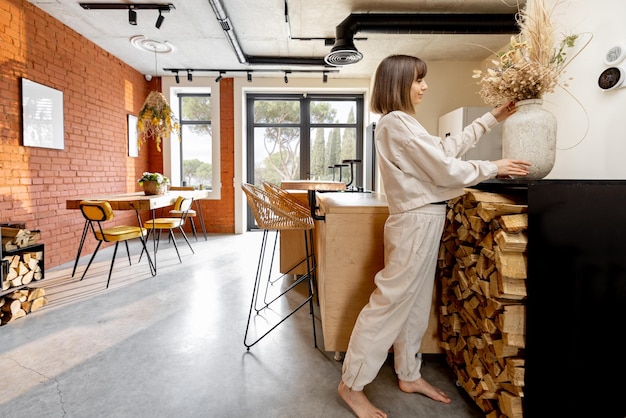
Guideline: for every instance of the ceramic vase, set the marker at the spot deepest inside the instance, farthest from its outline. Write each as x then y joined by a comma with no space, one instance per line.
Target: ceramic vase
152,188
530,134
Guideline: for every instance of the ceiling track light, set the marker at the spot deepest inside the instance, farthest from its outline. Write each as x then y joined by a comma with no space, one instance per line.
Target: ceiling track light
159,20
189,75
132,9
132,16
222,72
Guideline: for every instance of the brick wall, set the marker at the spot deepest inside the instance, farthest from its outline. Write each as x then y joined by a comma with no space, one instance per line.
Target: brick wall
219,215
99,91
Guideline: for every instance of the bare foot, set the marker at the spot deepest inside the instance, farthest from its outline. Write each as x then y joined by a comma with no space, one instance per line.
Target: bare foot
359,403
422,386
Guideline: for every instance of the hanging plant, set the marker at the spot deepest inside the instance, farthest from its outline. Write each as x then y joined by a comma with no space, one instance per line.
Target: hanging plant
156,120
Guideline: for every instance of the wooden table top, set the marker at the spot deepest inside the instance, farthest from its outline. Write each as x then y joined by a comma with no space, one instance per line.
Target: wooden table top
321,185
138,200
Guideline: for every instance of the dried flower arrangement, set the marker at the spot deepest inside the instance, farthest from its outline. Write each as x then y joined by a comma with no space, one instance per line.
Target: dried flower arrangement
156,120
534,62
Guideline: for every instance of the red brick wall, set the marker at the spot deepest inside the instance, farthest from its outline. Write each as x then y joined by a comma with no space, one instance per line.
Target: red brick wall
99,91
219,215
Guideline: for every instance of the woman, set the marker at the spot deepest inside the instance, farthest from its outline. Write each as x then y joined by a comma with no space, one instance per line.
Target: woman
419,173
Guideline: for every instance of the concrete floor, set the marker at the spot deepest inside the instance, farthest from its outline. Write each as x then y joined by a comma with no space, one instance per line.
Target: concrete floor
172,346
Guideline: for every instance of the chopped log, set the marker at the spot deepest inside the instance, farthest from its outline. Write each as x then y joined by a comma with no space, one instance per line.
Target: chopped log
38,303
21,295
11,306
23,269
12,316
36,293
35,304
514,223
513,319
510,405
515,242
14,261
32,263
11,274
28,277
511,264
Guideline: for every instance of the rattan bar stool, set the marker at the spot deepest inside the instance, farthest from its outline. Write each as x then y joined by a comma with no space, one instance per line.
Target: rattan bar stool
301,210
274,213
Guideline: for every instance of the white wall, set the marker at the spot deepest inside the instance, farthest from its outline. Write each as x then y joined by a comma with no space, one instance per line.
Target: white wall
591,136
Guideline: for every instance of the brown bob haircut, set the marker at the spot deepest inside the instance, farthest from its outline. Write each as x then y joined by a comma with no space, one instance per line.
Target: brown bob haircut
392,83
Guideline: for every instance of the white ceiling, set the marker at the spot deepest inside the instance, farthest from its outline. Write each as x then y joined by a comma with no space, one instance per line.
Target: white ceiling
262,29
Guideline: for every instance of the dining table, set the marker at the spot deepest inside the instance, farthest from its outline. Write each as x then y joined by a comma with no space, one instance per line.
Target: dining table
137,201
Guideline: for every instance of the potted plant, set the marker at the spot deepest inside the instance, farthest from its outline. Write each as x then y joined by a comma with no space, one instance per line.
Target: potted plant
156,120
153,183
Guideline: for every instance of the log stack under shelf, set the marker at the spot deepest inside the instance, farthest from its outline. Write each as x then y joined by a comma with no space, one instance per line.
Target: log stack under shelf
20,303
483,269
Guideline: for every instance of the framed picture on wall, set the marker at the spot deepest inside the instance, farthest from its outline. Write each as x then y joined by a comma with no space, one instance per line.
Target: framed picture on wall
42,116
133,148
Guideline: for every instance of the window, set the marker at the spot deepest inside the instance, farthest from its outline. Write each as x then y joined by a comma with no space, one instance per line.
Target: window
304,136
196,144
294,137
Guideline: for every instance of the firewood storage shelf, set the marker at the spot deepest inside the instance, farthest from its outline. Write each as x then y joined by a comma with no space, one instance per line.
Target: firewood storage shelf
19,251
575,295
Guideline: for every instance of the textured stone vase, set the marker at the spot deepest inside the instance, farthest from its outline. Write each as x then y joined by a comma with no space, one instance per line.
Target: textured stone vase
152,188
530,134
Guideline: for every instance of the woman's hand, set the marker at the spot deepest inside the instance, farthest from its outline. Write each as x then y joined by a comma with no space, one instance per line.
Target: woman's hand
508,167
503,111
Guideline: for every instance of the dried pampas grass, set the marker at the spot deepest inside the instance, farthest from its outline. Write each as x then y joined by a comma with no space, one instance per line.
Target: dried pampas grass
534,62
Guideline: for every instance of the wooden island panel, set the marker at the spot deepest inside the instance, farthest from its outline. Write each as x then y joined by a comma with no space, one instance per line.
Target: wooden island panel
349,254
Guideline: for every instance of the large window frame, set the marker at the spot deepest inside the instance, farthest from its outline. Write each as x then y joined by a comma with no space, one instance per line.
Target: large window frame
305,126
172,156
190,123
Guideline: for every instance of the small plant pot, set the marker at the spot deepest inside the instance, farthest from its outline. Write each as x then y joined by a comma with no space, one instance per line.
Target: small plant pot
152,188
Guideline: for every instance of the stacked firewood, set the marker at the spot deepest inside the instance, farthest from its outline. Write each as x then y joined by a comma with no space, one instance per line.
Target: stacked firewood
22,268
483,267
16,237
21,302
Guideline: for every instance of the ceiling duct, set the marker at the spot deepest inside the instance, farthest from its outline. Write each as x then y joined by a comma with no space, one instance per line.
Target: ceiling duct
344,52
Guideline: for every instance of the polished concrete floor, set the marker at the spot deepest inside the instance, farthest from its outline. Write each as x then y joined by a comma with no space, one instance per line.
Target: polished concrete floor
172,346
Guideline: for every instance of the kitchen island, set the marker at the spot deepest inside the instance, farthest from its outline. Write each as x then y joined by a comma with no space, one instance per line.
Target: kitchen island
349,251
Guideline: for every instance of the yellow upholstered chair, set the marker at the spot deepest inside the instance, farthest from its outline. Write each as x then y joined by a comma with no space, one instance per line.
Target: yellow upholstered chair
191,214
177,213
170,224
274,212
96,213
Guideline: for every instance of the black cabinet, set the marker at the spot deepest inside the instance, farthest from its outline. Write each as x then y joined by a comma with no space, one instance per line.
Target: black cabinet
576,297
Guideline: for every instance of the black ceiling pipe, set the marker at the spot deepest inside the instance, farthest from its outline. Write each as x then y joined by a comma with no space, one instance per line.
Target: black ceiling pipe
261,60
344,52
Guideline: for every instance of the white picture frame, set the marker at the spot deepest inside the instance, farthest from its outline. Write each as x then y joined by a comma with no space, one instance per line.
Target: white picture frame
133,147
42,116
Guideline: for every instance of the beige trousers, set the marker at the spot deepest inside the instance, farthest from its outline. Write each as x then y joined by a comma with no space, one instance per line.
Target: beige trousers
398,310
